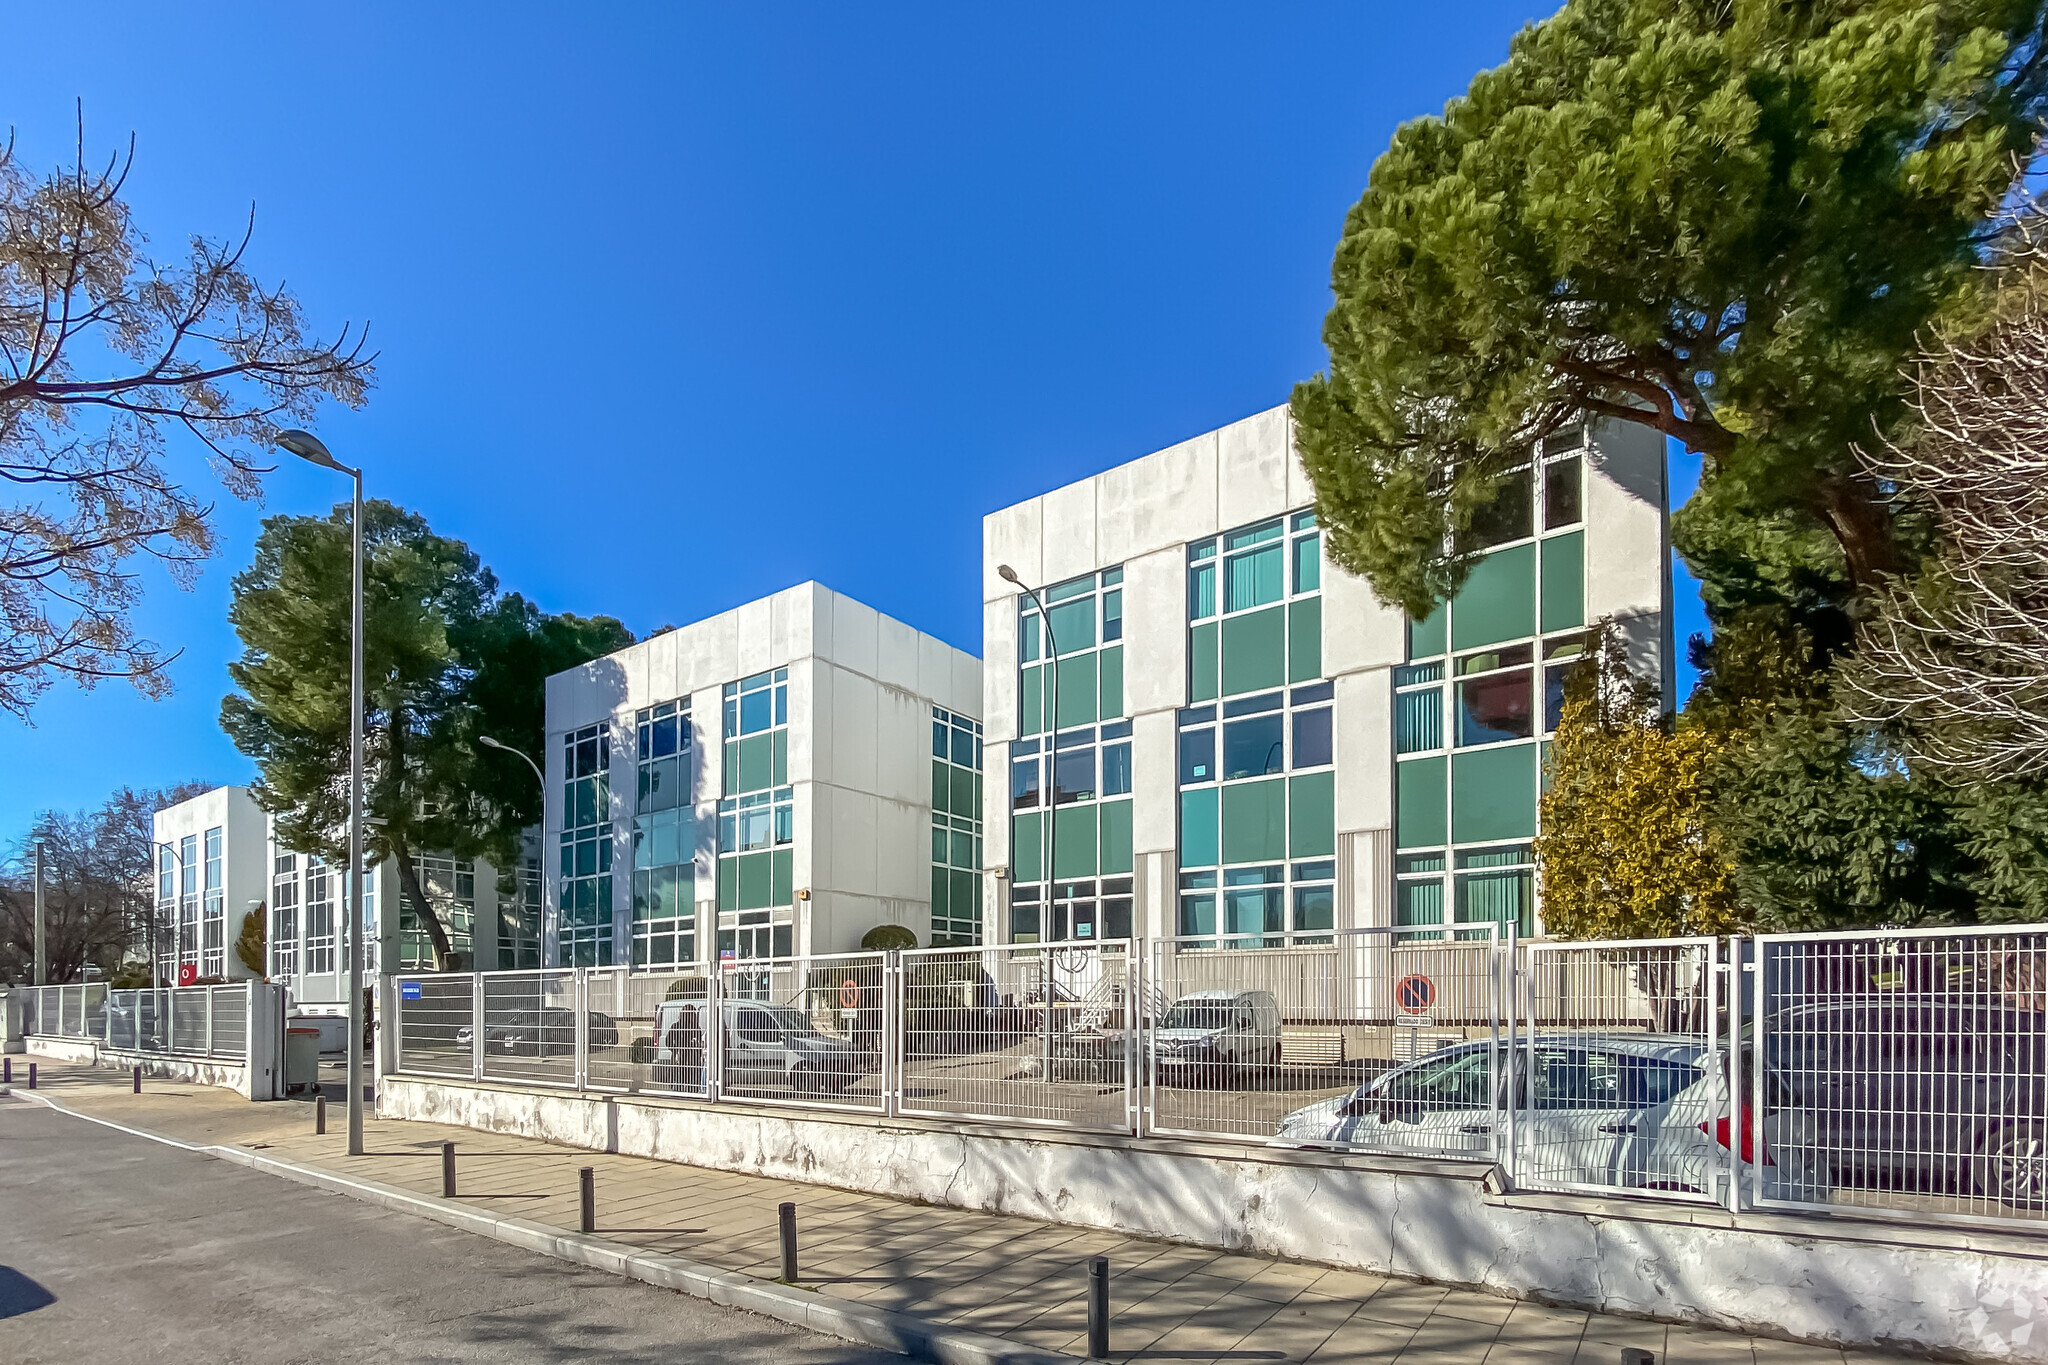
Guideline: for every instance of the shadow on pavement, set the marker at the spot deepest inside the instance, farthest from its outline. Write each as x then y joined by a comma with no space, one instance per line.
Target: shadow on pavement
19,1294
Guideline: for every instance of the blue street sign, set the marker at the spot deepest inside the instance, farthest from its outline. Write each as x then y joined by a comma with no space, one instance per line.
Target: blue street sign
408,990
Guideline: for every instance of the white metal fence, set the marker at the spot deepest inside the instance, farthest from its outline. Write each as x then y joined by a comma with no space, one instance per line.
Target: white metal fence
192,1021
1901,1073
1904,1074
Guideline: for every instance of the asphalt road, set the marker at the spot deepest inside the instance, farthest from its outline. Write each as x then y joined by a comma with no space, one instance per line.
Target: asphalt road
116,1248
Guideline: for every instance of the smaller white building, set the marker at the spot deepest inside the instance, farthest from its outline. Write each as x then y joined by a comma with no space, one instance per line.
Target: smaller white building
777,779
219,858
212,869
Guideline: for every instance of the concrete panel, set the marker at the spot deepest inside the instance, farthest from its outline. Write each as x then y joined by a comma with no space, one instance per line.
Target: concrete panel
853,713
903,745
1252,457
1154,773
999,676
1364,731
708,654
1069,533
1300,491
896,654
854,847
817,805
903,840
854,635
752,628
1624,522
804,730
1358,630
995,812
1830,1282
1011,536
1159,502
1155,631
967,690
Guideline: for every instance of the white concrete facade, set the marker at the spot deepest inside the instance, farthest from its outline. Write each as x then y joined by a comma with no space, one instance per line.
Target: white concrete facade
1142,518
212,867
850,782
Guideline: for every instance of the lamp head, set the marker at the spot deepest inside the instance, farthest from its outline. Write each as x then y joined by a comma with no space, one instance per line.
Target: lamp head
488,742
306,446
1007,572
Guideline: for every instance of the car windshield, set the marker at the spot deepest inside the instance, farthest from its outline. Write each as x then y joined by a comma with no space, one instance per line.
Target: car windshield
1198,1014
1455,1082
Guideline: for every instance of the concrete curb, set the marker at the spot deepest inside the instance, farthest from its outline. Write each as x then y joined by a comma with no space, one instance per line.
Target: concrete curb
881,1327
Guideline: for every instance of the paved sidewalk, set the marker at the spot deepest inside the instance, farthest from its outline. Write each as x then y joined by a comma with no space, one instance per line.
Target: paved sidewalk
1007,1276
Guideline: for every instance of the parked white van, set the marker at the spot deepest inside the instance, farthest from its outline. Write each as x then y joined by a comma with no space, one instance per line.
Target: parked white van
1210,1037
767,1046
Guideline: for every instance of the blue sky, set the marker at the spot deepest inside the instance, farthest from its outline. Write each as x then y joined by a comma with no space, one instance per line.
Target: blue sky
679,305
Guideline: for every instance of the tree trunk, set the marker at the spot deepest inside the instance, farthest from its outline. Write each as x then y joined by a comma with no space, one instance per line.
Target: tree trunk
1849,506
409,883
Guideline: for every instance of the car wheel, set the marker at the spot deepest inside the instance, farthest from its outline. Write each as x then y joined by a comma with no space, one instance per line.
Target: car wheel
804,1079
2013,1166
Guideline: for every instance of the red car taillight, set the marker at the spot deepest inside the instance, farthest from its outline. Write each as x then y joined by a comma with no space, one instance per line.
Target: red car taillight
1717,1129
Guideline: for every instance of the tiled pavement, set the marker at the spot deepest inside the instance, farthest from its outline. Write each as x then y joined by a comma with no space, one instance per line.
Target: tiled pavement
1012,1277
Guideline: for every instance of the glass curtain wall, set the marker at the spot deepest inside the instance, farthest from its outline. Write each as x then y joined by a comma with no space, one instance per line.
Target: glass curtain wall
756,820
1073,767
664,839
213,910
956,830
1256,743
166,895
1479,696
584,924
450,888
319,917
188,901
284,915
519,917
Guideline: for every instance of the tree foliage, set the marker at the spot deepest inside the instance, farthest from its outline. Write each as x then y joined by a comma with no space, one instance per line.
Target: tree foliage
109,360
99,882
1722,219
446,659
1628,847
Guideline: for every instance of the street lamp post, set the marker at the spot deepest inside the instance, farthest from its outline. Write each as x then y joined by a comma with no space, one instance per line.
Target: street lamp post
1052,815
539,776
308,447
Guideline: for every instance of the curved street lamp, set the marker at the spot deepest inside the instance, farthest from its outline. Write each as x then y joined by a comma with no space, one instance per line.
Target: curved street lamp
309,448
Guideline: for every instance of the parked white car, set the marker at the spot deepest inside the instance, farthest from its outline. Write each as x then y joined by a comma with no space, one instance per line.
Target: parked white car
1605,1110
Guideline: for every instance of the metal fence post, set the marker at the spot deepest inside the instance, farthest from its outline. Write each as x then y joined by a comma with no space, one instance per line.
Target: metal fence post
892,1031
714,1034
476,1026
1133,983
209,1024
1508,968
579,996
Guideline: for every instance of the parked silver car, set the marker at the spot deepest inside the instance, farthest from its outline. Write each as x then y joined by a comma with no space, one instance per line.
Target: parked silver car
1208,1037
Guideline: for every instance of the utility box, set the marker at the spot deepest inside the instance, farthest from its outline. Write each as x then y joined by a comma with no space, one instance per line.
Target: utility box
301,1058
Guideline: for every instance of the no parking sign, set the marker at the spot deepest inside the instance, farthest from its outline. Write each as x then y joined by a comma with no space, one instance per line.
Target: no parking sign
1414,993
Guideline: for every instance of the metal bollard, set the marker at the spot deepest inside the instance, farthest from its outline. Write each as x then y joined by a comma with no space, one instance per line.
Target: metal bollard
319,1115
447,1170
787,1217
586,1180
138,1080
6,1071
1098,1307
31,1075
1636,1355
